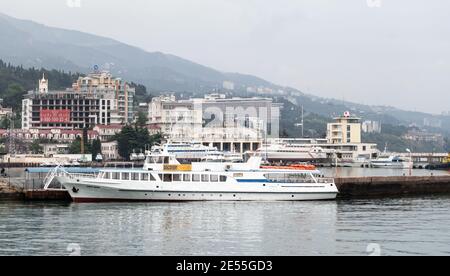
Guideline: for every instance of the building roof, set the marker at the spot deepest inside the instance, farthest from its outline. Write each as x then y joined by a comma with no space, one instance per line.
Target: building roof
112,126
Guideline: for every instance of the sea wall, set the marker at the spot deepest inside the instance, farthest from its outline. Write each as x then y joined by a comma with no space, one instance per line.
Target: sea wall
351,187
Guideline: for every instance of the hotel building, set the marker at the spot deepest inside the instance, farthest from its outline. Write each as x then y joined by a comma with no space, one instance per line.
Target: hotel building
97,99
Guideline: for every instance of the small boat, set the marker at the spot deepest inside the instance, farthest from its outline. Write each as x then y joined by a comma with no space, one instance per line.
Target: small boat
392,162
163,178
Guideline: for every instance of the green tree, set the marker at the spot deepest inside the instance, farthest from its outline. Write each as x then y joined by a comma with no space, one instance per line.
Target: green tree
13,95
141,120
36,147
5,123
75,147
134,139
126,141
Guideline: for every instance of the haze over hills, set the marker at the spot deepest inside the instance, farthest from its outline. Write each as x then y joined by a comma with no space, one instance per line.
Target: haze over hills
31,44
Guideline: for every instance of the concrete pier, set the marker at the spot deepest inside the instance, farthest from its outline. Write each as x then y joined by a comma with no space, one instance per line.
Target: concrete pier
357,187
8,192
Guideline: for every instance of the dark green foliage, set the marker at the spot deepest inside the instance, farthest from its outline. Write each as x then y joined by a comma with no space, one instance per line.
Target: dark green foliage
135,139
15,81
36,147
75,147
142,96
141,121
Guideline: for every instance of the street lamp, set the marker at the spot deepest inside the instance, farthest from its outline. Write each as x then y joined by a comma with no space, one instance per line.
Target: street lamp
410,161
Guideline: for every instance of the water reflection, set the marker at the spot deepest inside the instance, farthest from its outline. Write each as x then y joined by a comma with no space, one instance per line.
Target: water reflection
399,226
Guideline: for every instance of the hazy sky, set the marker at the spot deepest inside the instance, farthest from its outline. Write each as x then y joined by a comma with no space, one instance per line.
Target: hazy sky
392,52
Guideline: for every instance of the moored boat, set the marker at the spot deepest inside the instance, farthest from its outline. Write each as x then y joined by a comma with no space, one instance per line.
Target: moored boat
163,178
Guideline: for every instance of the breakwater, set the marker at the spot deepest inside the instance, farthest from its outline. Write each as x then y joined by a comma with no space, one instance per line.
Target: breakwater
357,187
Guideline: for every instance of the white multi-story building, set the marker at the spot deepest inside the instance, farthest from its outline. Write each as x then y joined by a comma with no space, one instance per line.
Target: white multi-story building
230,124
110,151
97,99
345,130
371,127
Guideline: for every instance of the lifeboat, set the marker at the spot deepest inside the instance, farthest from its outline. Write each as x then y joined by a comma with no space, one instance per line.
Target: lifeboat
299,167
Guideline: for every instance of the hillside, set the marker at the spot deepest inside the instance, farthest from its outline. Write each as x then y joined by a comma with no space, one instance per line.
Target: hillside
15,81
34,45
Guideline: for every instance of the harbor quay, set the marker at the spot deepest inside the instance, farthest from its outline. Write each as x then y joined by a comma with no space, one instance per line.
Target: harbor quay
387,186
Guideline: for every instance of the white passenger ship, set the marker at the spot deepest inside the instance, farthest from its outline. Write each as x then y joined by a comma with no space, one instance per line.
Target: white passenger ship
164,179
292,152
186,151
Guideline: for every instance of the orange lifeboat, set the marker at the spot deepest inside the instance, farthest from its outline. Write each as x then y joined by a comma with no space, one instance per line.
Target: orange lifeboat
291,167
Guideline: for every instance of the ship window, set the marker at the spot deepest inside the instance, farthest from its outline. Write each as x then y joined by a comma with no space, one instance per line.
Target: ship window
223,178
115,175
205,178
167,178
152,178
125,176
177,177
196,177
135,176
106,175
214,178
145,177
187,177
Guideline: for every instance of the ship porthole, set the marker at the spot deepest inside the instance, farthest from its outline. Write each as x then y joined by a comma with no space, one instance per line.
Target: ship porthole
293,196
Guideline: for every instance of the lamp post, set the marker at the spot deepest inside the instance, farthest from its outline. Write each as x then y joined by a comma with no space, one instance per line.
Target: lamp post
410,161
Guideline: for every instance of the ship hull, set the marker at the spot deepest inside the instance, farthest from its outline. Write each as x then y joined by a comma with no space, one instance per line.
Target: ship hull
86,191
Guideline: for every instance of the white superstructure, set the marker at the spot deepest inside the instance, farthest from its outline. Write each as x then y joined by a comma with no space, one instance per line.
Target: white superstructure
292,152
